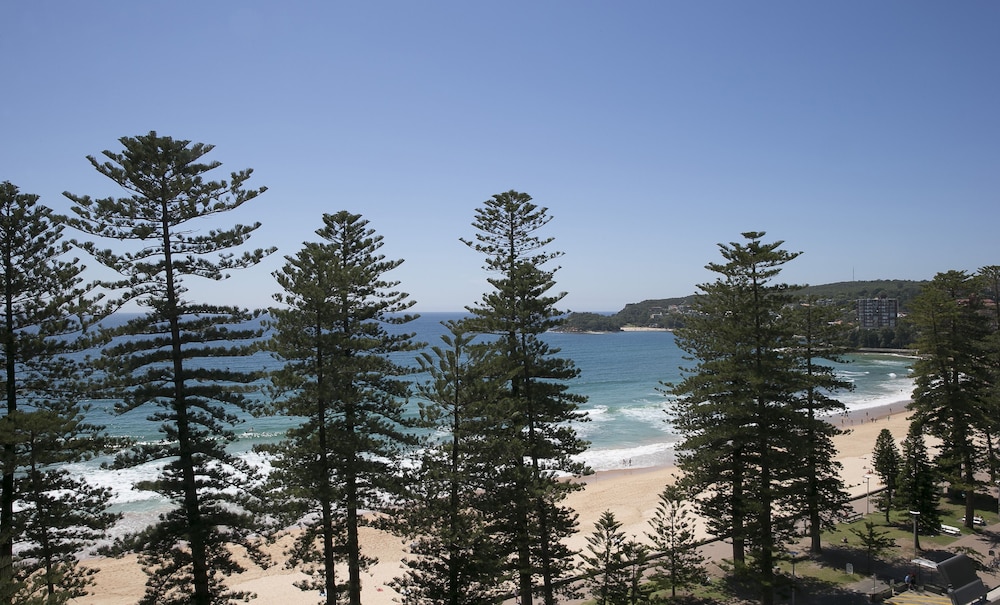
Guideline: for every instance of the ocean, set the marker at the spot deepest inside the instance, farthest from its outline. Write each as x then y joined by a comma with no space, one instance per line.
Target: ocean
620,374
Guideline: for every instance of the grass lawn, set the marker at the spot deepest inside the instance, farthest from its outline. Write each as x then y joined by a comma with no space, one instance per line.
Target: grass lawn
899,529
830,568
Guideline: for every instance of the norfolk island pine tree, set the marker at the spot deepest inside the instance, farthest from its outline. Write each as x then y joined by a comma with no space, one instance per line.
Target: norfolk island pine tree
51,514
821,337
534,437
739,407
457,554
952,376
158,360
339,375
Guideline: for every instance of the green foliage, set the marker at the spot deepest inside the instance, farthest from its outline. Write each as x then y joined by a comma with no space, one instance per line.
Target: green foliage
749,404
819,483
338,374
50,514
843,294
876,543
613,564
666,313
172,359
917,485
677,563
952,377
901,336
989,280
887,463
531,423
591,322
455,555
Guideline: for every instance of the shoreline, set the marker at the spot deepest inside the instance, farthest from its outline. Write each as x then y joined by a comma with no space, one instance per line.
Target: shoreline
632,494
844,420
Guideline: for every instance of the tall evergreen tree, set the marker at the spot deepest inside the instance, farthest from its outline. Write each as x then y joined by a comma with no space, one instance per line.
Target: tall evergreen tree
989,277
822,490
48,513
605,562
887,462
875,542
636,557
678,563
457,558
176,358
533,424
739,409
341,377
952,377
917,482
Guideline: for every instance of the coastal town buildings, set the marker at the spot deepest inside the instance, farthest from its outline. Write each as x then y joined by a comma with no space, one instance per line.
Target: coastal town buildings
877,312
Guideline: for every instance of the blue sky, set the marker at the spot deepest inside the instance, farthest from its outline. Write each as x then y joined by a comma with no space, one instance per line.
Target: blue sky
864,134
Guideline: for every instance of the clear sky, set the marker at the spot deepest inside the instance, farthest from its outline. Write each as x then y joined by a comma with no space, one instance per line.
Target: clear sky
864,134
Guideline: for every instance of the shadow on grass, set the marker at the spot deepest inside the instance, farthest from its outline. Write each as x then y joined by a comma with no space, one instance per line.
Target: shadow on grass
743,589
818,592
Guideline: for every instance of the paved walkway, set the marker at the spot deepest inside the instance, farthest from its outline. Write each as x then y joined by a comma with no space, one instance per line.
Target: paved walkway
918,597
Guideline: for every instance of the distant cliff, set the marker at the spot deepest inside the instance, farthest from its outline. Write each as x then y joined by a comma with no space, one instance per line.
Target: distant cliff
669,312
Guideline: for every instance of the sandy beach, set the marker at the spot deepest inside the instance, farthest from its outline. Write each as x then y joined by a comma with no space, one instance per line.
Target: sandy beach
631,494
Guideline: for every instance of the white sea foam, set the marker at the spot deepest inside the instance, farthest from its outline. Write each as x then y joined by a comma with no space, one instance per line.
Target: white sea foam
849,375
121,481
654,416
598,413
650,454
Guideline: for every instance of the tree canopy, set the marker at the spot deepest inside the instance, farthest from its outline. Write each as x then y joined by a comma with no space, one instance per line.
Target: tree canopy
172,358
952,378
47,512
534,439
338,374
745,406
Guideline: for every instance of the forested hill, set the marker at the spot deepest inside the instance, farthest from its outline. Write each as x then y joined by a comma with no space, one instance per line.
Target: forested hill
669,312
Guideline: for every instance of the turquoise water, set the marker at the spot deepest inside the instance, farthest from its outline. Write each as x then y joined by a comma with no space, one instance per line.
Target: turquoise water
620,374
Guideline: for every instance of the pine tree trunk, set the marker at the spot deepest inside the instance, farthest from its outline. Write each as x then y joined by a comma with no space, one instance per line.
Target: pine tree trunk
329,561
544,553
739,539
991,456
815,531
6,526
815,523
523,554
353,541
454,506
8,462
812,497
192,511
766,531
189,482
970,495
